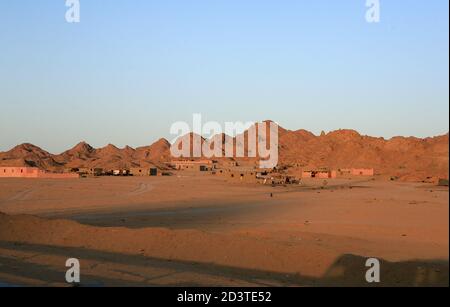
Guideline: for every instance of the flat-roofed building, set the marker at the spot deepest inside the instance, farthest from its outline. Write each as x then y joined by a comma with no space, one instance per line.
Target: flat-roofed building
320,174
363,172
33,172
143,172
195,165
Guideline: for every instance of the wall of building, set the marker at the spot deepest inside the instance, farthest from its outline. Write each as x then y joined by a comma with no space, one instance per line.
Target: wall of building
19,172
32,172
143,172
198,165
323,175
45,175
139,172
363,172
307,175
320,174
237,176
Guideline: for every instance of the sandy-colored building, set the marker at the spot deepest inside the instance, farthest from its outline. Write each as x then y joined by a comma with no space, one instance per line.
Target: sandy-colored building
197,165
320,174
143,172
256,177
363,172
238,175
33,172
86,171
229,164
332,174
357,172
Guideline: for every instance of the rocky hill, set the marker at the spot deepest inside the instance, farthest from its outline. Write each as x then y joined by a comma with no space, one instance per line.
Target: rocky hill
407,158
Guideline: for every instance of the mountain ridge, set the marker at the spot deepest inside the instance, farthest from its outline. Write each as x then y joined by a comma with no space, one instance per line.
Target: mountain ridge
409,157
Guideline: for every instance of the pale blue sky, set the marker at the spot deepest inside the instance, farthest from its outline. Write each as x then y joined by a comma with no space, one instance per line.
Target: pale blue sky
131,68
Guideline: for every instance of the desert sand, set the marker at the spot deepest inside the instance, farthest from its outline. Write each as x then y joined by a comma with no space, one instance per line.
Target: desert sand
197,230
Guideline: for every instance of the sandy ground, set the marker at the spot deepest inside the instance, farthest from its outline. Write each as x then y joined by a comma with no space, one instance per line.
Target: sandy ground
198,230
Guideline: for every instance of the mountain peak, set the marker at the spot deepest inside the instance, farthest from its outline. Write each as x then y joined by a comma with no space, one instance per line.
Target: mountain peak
162,141
344,133
27,146
83,147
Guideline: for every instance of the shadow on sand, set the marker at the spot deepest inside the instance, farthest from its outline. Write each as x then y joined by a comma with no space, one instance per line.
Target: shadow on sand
348,270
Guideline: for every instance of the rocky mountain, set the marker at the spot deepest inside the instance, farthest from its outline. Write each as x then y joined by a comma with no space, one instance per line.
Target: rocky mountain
29,155
158,151
407,158
85,156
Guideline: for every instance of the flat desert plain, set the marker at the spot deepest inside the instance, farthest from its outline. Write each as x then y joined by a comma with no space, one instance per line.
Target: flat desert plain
198,230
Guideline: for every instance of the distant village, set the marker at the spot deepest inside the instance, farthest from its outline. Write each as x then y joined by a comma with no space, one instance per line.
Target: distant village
233,171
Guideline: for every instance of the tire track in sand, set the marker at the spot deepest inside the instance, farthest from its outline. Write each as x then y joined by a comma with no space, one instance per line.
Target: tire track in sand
141,189
19,196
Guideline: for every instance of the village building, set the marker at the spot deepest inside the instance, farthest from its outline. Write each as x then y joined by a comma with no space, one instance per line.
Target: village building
143,172
369,172
197,165
363,172
249,176
84,171
229,164
242,176
320,174
33,172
